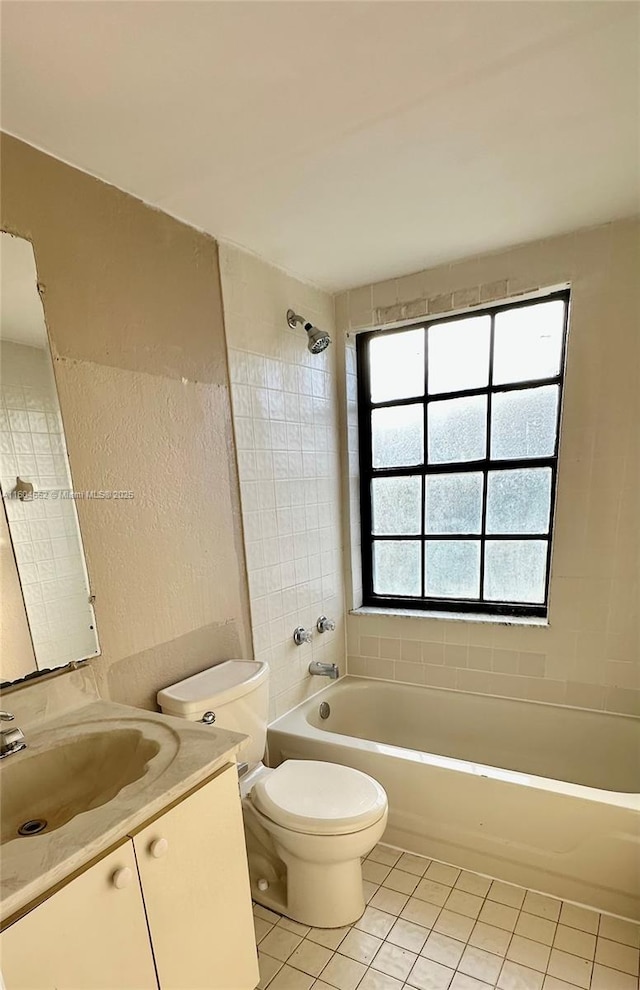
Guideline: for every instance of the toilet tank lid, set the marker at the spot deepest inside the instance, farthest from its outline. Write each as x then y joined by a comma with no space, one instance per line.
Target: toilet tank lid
215,686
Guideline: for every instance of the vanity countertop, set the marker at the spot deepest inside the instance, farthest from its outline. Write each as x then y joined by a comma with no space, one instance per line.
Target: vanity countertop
184,755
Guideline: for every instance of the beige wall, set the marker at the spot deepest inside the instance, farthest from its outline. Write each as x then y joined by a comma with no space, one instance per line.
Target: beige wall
589,654
134,314
285,417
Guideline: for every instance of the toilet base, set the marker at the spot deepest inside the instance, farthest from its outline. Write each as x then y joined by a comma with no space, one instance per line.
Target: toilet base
316,895
274,897
315,880
325,895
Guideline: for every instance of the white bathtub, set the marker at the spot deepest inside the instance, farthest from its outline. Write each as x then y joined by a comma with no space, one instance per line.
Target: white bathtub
538,795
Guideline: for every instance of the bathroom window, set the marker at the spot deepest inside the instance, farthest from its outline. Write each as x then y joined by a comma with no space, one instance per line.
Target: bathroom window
459,427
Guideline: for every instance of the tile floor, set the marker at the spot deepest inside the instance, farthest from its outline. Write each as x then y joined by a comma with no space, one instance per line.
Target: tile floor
429,926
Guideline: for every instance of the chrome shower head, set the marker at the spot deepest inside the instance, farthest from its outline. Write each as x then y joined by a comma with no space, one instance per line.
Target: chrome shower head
318,340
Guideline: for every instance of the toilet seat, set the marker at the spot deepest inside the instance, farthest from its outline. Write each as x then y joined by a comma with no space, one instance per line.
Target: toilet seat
319,798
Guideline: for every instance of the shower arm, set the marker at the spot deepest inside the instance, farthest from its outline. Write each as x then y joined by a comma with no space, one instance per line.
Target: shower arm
294,320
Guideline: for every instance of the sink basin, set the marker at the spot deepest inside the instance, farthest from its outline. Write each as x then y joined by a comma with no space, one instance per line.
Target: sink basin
54,784
95,772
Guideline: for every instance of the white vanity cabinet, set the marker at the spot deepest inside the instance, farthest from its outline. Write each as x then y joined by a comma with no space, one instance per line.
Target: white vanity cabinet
195,880
91,933
170,908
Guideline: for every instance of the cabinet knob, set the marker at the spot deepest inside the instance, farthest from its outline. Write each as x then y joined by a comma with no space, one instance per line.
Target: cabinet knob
158,848
122,878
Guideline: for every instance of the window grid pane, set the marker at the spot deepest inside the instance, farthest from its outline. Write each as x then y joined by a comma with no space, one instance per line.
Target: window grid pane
454,503
453,568
514,546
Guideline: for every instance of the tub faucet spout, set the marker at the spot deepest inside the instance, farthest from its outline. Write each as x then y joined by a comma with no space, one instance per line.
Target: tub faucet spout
324,669
11,740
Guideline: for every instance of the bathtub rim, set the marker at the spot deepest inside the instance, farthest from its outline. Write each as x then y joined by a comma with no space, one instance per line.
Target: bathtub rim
295,722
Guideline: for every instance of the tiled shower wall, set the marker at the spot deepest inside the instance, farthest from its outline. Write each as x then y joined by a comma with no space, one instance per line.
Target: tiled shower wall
44,531
285,412
589,653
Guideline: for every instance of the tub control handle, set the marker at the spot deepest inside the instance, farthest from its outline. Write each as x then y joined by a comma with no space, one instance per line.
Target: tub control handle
325,625
122,878
159,848
302,636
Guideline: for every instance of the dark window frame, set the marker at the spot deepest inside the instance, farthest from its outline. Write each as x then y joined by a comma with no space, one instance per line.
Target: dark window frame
484,465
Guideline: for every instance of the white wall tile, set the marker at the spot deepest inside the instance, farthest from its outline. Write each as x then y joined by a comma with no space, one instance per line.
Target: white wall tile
44,531
285,411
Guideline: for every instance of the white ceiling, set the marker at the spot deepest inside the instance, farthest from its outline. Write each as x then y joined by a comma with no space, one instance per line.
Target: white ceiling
21,316
345,141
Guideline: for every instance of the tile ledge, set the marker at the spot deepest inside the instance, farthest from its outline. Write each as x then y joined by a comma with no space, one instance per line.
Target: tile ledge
409,613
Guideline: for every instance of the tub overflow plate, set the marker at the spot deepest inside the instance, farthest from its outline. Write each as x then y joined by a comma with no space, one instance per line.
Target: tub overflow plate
325,709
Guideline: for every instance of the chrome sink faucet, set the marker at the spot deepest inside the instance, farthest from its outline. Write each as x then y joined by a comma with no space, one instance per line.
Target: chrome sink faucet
324,669
11,740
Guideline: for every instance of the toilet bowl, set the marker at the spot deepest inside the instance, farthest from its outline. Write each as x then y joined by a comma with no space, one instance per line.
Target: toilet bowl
307,823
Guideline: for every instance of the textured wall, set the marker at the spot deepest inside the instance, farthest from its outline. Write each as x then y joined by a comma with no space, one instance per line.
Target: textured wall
134,314
589,654
285,418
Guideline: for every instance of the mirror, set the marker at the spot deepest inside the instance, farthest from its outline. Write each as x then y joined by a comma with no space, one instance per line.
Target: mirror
46,617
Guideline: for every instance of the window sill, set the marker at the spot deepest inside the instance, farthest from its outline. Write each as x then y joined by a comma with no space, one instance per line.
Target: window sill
410,613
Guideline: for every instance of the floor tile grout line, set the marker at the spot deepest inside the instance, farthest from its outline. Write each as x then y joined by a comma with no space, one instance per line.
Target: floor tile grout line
504,958
521,910
511,933
370,966
418,955
552,897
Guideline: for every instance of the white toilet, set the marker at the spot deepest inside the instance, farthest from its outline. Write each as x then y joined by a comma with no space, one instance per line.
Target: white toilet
307,823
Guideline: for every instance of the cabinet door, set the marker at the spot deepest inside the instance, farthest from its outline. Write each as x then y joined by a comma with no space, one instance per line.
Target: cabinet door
195,881
89,935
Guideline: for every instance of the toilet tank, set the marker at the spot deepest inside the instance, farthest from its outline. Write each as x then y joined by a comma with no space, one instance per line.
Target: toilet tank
236,691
